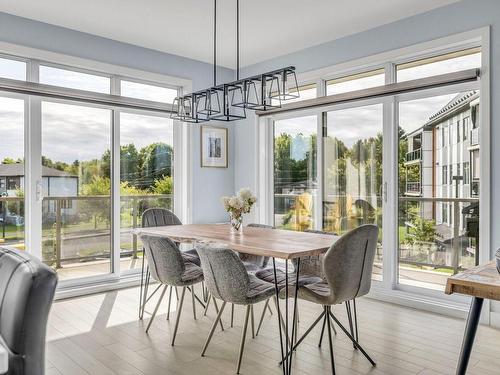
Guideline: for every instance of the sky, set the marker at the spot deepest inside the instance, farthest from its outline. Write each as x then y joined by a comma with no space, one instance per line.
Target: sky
73,132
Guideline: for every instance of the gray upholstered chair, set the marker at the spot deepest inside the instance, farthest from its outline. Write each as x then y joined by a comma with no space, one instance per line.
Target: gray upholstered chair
158,217
27,288
228,280
347,268
170,268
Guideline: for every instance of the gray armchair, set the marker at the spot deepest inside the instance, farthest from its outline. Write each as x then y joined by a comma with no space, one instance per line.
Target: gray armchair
27,288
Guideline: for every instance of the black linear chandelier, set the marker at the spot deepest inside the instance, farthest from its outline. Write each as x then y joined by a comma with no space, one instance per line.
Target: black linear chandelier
229,101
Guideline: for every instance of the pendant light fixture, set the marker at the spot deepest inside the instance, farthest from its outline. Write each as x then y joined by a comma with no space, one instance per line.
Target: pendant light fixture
229,101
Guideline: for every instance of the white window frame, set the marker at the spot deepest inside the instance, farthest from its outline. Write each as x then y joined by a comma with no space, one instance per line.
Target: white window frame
389,290
32,150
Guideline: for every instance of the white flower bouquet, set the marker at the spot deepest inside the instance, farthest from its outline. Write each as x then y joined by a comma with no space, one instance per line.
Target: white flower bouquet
238,205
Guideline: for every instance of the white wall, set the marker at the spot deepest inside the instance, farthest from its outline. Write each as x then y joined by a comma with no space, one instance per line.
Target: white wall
208,183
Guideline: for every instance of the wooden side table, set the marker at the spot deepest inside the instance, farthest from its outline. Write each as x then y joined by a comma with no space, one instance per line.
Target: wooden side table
479,282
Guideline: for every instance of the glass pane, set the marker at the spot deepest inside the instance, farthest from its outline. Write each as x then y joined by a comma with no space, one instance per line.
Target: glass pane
147,92
76,208
74,80
438,208
353,172
355,82
295,184
12,172
146,176
452,62
13,69
306,92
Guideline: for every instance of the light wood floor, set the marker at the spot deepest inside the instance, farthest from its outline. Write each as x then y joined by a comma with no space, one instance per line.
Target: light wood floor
100,334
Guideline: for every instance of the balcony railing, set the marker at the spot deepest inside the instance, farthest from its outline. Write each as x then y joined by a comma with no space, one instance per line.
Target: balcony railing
414,155
451,244
413,187
78,229
474,137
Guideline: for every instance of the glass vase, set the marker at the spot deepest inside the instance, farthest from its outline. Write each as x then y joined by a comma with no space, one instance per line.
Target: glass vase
237,223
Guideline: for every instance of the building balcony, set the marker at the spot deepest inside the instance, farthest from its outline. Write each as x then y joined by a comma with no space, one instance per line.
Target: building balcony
413,188
413,156
474,137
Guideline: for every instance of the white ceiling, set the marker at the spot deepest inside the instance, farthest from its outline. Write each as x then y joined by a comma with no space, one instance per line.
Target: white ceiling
269,28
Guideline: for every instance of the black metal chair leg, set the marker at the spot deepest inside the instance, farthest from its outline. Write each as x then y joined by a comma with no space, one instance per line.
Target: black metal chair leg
355,319
353,340
321,316
329,327
322,332
349,316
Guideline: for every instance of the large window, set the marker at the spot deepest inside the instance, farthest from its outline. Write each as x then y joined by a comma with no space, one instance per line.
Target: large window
146,176
355,82
295,184
352,171
78,226
409,163
76,180
12,172
12,69
438,229
441,64
74,79
147,91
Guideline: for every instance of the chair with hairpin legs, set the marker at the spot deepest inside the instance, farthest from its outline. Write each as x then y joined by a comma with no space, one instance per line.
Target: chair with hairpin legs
170,269
348,268
228,280
157,217
252,263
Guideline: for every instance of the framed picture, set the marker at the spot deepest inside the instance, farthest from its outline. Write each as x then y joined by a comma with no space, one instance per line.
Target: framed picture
213,147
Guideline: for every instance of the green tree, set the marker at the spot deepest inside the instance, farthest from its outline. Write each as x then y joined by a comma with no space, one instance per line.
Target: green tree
156,162
163,185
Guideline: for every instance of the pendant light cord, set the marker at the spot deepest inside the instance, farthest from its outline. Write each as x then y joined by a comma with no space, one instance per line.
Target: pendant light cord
237,40
215,42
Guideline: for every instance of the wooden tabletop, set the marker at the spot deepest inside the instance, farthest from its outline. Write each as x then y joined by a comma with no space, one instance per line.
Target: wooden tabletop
276,243
480,281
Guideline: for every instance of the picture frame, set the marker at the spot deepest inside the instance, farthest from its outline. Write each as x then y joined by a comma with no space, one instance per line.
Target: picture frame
214,147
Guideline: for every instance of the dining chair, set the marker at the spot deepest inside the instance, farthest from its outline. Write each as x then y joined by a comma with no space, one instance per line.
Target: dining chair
170,268
228,280
252,264
157,217
347,268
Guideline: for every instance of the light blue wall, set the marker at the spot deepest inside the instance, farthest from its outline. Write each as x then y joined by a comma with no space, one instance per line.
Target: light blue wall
459,17
208,183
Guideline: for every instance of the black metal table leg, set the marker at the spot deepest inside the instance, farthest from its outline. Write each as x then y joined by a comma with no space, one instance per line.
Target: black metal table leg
470,334
286,315
277,290
297,271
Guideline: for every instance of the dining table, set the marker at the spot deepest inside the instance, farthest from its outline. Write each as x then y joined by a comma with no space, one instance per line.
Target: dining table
273,243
